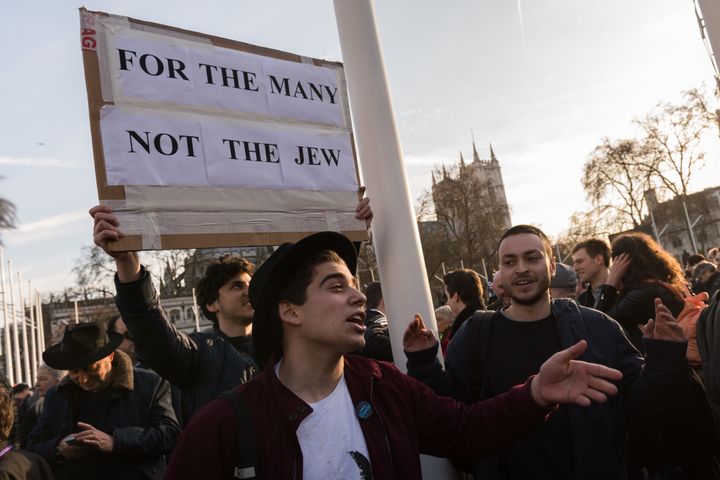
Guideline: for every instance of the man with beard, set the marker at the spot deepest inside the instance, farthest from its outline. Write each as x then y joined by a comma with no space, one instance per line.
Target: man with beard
317,413
490,354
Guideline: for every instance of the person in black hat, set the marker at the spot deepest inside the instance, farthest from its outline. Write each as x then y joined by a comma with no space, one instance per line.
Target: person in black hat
316,412
105,419
202,364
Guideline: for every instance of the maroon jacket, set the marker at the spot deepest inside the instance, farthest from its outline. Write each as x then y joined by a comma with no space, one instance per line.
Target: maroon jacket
407,419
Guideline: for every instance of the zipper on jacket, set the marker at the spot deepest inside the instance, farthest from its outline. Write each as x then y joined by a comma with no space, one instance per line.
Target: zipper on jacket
382,423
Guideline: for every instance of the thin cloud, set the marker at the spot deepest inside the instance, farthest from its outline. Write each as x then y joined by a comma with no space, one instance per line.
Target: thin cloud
40,162
48,228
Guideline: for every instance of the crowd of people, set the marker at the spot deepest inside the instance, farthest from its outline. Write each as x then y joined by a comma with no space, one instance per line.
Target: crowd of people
551,370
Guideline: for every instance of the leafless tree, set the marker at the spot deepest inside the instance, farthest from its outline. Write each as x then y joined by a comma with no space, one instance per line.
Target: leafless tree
673,136
615,179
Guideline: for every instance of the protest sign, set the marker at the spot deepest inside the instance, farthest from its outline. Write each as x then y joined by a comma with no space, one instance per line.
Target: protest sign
201,141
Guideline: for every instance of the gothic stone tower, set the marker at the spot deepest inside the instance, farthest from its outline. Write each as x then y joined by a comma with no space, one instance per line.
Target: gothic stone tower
470,204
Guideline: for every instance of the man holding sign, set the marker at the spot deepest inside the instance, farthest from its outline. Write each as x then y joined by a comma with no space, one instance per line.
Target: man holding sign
202,364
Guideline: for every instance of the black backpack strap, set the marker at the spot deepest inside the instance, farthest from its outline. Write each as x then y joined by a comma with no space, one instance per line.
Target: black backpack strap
245,467
480,324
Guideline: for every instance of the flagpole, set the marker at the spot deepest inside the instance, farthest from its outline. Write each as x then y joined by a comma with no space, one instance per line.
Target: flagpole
9,364
26,353
16,342
33,338
195,310
42,326
395,235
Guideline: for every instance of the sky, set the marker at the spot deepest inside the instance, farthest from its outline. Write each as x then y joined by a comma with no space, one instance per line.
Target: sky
542,80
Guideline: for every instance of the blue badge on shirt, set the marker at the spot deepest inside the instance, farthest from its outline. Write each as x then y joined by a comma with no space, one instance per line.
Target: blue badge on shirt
363,410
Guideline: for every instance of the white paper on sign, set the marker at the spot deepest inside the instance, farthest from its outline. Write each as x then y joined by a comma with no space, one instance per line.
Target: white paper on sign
230,80
147,69
318,161
152,149
242,154
304,92
156,71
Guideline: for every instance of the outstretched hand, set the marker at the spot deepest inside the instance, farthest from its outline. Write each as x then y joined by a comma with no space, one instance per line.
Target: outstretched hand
417,336
664,326
562,379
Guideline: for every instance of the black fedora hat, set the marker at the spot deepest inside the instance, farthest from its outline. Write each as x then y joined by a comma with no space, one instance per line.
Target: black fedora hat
274,274
82,345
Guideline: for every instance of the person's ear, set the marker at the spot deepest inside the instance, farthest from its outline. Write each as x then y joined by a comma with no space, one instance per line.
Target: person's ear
288,313
212,307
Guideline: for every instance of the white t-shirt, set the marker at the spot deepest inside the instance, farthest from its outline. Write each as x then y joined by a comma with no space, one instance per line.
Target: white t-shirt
331,440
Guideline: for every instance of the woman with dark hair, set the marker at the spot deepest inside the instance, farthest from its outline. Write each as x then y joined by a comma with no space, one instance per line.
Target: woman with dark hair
641,271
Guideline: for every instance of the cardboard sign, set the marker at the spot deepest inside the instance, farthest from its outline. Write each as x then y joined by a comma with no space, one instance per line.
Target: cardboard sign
202,142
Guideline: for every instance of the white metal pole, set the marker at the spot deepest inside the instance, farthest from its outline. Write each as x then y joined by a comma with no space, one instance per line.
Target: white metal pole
33,337
41,322
711,24
9,364
16,342
38,323
395,234
195,311
77,314
690,228
25,350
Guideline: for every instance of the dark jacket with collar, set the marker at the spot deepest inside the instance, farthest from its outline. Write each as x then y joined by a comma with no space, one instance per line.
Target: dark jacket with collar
636,306
648,392
407,419
202,365
139,416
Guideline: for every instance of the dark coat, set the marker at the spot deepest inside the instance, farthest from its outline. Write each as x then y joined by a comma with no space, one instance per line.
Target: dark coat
202,365
139,417
636,306
711,286
460,319
29,413
648,391
377,340
22,465
407,419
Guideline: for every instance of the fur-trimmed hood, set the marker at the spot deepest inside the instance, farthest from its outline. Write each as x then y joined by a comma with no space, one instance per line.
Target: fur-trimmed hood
122,372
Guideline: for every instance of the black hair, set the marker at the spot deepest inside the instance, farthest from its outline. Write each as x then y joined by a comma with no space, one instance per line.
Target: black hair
466,283
595,247
532,230
218,273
